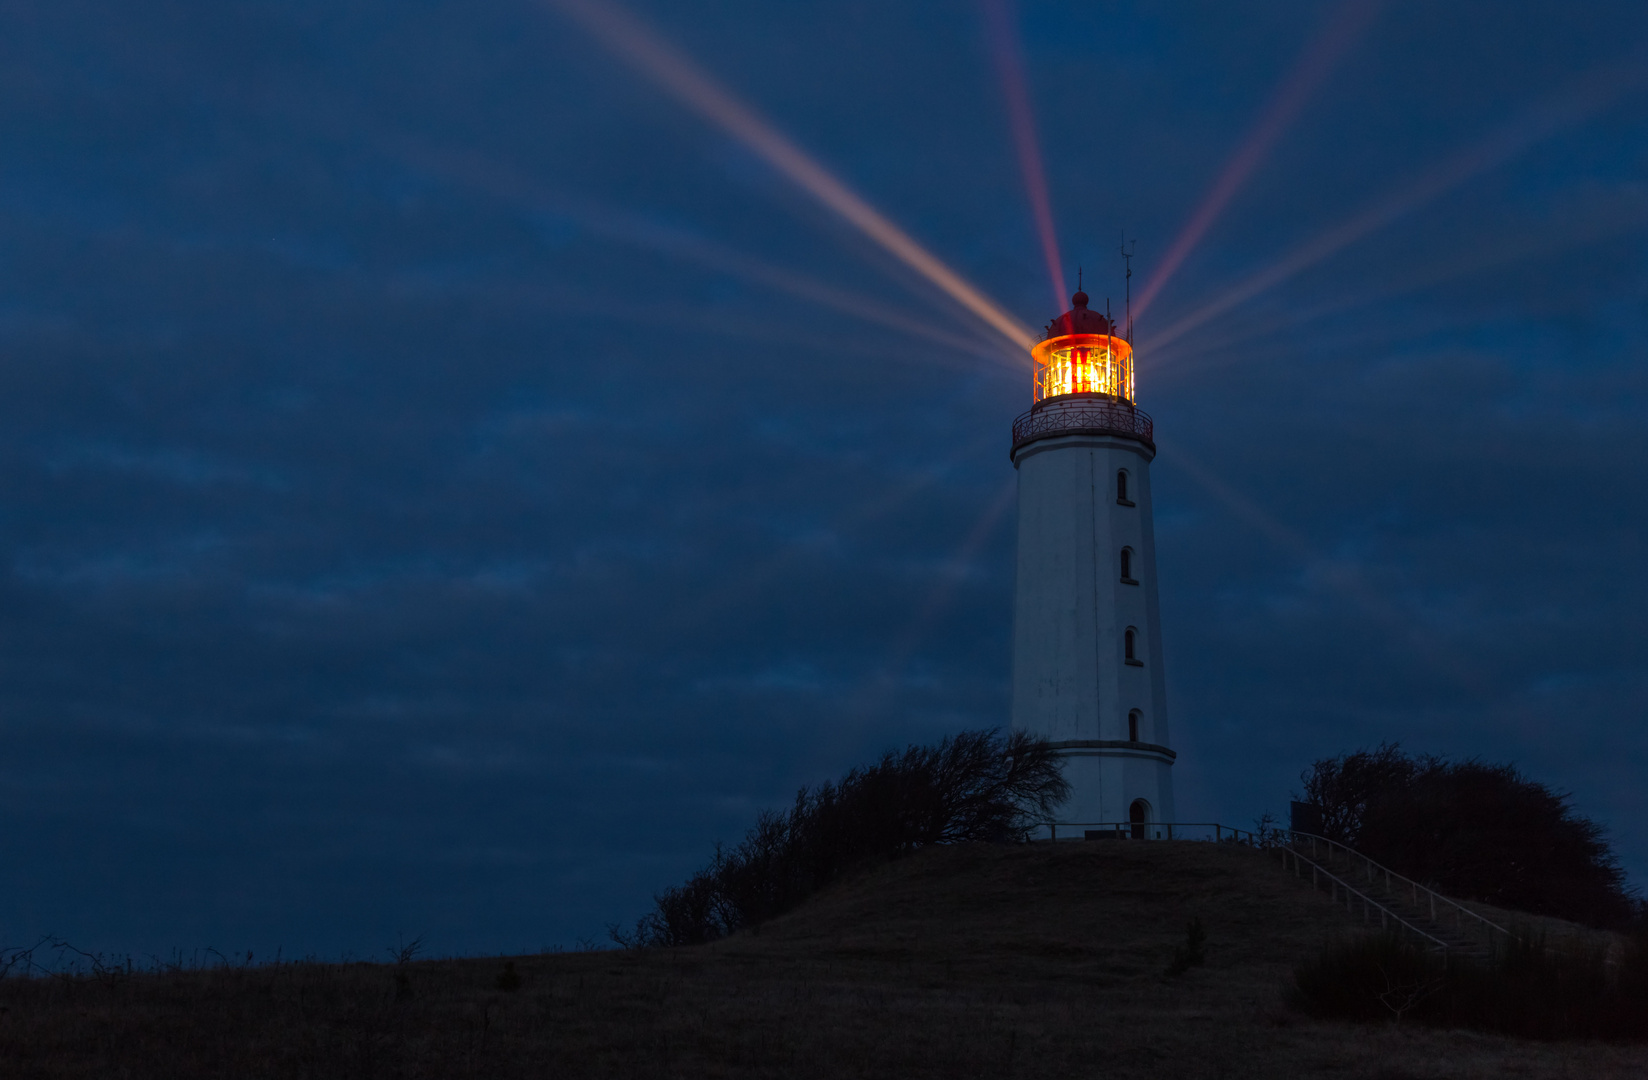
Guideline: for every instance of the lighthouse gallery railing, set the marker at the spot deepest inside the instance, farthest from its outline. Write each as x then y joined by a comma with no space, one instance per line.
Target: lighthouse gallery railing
1081,414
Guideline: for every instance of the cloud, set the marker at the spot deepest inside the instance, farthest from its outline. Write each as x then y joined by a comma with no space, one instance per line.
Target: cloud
373,561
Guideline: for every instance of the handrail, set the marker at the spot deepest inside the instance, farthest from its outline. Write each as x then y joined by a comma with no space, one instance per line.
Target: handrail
1155,830
1336,882
1131,830
1460,910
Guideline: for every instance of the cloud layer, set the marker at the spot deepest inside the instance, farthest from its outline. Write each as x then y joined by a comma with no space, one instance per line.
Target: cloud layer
414,520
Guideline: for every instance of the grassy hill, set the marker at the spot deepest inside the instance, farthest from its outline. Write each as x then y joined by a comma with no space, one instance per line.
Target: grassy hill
978,961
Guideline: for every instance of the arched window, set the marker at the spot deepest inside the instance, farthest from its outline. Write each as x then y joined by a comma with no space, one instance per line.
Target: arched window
1129,640
1133,726
1121,488
1127,567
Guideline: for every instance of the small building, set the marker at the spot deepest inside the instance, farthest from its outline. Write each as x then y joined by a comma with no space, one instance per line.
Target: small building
1087,643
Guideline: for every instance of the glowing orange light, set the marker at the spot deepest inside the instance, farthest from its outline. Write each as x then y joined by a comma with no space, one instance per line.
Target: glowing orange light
1083,364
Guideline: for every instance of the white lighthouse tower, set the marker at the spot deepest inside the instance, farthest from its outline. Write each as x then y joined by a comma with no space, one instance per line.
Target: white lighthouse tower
1087,643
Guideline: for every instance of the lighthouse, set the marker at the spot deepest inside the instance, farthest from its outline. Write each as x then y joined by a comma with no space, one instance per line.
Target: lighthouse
1087,643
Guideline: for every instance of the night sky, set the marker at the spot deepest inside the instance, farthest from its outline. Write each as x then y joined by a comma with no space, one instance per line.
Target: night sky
447,482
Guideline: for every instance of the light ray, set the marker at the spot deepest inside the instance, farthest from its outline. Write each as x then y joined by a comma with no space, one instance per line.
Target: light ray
904,647
510,185
1344,578
1285,104
1001,27
755,578
819,346
1175,363
1503,144
643,49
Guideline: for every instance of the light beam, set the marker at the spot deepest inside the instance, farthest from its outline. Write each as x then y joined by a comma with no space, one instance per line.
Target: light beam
1503,144
510,185
643,49
1289,98
984,526
1000,24
1346,579
754,579
1499,252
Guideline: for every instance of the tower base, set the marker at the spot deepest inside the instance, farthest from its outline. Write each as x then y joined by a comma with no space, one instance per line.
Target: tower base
1115,783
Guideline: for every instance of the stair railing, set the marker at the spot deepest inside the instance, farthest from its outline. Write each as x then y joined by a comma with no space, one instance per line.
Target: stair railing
1420,895
1151,830
1337,884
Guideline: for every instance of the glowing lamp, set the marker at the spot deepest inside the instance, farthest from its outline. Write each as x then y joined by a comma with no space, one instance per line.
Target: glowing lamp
1082,355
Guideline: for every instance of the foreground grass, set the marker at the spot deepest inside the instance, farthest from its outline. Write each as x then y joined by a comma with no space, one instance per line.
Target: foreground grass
980,961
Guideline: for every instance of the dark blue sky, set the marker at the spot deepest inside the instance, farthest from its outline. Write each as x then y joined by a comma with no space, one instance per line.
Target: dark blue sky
430,503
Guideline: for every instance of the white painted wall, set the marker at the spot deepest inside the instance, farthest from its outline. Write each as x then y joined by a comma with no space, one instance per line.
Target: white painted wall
1071,610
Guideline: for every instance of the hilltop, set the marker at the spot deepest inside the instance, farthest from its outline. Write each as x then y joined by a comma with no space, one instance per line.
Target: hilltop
975,960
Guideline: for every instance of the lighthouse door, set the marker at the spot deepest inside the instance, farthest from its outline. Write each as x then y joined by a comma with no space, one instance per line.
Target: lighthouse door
1137,815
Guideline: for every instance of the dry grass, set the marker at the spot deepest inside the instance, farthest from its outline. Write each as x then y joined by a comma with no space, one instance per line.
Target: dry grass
980,961
1559,934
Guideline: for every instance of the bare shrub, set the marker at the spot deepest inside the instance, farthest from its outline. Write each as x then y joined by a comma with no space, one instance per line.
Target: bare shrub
978,785
1524,989
1473,830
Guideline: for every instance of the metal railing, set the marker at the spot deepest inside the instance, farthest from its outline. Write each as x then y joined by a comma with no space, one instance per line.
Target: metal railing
1151,830
1084,416
1421,896
1388,919
1292,845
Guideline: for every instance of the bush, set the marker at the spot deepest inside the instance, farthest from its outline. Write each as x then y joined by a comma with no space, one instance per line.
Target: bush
978,785
1525,990
1477,831
1192,953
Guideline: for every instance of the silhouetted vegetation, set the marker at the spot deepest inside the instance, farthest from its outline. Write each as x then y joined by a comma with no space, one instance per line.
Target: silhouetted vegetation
1524,989
978,785
1022,961
1472,830
1193,953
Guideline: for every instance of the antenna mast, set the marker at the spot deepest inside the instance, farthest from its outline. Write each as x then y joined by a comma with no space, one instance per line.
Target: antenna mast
1127,257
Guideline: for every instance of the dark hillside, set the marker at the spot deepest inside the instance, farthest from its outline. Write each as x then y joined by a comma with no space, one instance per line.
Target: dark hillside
972,961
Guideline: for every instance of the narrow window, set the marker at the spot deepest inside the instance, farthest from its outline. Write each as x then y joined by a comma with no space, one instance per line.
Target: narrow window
1127,567
1130,636
1130,647
1133,726
1121,488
